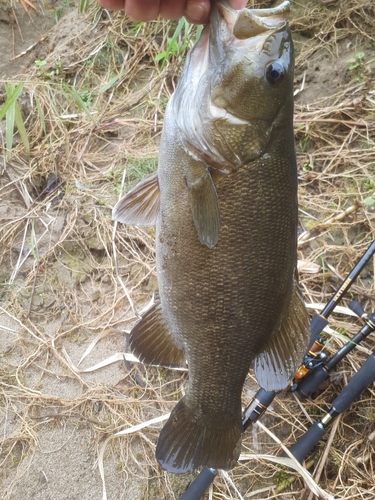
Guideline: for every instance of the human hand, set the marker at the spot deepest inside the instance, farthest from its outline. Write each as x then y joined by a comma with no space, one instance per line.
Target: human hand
195,11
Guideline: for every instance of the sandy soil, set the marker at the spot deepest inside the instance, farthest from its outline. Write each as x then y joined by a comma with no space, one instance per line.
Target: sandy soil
62,464
19,31
59,291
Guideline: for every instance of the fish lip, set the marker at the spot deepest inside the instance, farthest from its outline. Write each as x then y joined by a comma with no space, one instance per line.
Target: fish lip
283,8
247,23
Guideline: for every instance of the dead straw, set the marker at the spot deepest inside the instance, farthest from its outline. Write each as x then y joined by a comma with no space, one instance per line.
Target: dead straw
73,283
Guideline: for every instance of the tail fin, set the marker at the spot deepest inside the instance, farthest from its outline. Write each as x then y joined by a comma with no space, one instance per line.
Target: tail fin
189,440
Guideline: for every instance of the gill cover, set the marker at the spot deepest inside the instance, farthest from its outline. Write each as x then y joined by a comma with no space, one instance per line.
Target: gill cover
232,94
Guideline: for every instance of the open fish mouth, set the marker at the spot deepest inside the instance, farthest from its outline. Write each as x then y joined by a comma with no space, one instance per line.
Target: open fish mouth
226,22
247,23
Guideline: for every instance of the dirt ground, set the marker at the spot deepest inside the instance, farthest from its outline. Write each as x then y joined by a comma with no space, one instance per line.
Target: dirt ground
72,283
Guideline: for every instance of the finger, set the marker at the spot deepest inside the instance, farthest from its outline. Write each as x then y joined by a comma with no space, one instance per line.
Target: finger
238,4
172,9
197,11
142,10
112,4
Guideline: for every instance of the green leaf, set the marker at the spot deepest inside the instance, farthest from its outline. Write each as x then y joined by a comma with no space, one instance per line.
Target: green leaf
111,82
160,56
199,32
173,41
369,201
84,5
79,102
11,99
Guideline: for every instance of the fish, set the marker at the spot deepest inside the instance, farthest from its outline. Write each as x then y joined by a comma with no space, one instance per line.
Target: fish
224,204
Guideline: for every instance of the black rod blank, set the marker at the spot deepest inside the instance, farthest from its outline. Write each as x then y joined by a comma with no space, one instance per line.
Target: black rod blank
200,484
319,321
361,380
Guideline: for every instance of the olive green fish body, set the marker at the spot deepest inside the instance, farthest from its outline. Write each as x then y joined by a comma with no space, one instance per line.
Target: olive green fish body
233,295
222,304
225,205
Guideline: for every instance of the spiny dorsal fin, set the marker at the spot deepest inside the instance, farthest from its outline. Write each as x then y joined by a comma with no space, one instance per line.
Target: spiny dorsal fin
283,355
152,343
205,208
140,206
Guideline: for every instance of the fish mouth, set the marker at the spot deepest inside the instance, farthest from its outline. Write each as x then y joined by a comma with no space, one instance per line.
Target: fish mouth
247,23
226,23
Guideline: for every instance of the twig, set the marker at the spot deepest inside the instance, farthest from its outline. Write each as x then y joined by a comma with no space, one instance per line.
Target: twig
327,223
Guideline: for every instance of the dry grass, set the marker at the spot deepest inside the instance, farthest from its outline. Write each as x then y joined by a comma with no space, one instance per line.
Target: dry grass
68,273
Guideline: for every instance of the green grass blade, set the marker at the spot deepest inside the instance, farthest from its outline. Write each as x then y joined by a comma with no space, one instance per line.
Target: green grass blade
21,128
79,102
199,32
111,82
84,5
172,42
11,98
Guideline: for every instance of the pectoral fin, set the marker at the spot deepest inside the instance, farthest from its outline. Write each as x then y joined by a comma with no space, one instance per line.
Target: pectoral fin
205,208
152,343
140,206
277,364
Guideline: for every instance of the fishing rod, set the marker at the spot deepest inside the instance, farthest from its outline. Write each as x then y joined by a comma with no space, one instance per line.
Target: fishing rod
361,380
314,359
316,376
319,320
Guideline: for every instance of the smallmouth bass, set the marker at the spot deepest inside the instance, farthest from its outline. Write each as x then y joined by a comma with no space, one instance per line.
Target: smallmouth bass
224,202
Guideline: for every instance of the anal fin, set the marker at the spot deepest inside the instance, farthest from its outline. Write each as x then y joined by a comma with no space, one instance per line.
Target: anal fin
152,343
284,352
140,206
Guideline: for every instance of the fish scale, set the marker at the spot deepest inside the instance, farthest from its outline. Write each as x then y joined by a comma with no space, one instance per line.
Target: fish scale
224,202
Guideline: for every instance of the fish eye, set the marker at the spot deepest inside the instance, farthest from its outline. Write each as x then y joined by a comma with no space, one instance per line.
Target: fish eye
275,74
